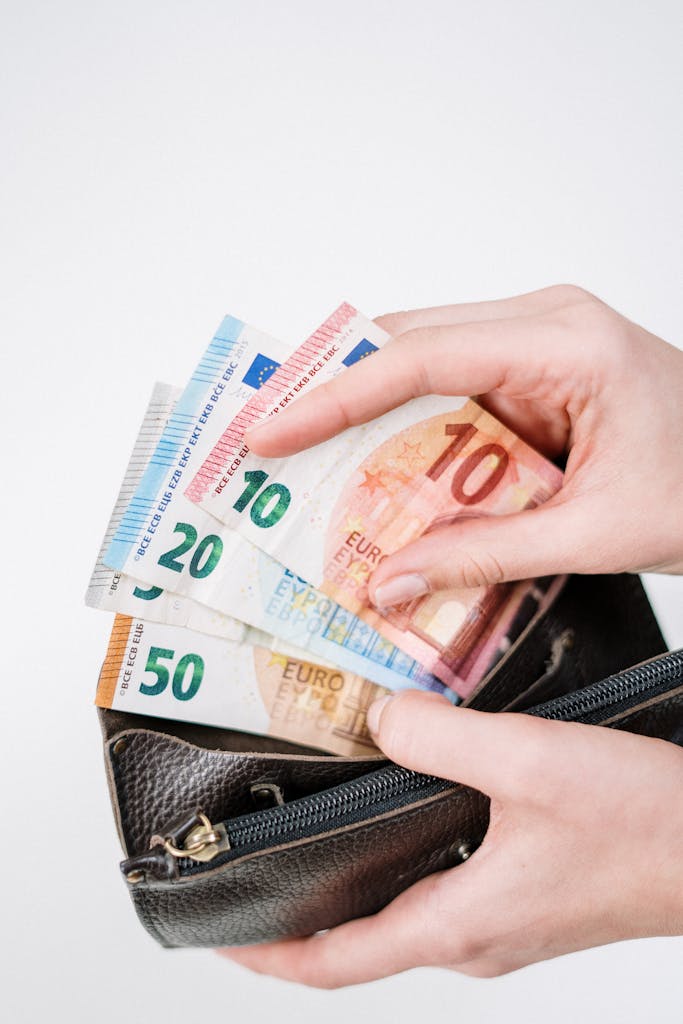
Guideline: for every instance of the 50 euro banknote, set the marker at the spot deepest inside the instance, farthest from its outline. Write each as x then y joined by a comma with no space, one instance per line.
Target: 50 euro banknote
174,548
170,672
334,512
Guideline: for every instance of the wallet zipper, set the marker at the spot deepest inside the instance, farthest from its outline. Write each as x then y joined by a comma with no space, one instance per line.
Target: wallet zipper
387,789
619,693
392,787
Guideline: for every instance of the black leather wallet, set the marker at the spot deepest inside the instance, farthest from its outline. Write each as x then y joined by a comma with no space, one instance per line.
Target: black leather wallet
231,838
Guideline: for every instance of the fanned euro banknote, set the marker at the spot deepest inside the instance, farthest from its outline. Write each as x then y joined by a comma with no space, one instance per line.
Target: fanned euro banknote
240,583
173,547
332,513
249,680
157,669
114,591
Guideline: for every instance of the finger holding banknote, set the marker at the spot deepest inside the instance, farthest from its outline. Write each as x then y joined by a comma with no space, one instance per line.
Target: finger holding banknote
566,373
566,863
458,349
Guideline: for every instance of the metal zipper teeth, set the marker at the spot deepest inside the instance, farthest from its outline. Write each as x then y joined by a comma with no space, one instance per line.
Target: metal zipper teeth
379,791
384,790
617,693
347,799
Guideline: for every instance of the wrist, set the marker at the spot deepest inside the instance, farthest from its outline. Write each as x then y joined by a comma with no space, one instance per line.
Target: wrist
661,884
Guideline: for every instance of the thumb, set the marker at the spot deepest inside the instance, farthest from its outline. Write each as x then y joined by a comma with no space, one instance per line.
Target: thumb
543,541
503,755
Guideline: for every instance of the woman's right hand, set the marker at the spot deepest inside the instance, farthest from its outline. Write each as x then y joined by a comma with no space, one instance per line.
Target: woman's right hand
566,373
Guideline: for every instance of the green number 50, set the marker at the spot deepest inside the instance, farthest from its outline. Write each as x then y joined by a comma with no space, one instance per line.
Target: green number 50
179,688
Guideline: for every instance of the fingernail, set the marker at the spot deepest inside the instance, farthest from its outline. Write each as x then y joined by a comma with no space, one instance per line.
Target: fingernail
374,713
400,589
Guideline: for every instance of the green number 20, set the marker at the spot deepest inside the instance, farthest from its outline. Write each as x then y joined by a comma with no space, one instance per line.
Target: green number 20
203,562
200,566
163,674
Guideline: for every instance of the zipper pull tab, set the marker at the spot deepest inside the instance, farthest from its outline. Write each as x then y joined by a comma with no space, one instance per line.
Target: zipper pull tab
201,841
190,836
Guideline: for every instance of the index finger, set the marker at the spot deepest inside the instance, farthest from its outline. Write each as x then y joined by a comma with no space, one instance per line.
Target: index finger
535,303
452,359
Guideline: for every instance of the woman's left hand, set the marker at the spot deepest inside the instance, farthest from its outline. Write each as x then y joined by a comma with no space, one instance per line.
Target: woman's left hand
585,847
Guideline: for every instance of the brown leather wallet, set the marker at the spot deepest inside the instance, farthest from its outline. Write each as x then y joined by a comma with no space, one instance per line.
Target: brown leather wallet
232,838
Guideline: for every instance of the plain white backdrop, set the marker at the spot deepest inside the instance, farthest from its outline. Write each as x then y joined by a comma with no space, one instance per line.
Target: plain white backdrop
166,163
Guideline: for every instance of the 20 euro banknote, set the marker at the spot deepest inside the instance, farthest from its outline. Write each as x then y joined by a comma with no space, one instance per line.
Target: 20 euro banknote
113,591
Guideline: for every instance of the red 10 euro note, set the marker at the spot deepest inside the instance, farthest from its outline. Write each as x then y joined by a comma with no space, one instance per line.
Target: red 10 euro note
332,513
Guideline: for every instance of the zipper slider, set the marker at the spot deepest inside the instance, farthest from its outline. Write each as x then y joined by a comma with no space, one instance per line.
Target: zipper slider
191,837
202,842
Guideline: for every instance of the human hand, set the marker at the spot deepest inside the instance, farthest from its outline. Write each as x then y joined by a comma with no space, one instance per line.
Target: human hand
583,848
566,373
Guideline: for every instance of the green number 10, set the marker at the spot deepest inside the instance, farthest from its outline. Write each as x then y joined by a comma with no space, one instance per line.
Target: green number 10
271,504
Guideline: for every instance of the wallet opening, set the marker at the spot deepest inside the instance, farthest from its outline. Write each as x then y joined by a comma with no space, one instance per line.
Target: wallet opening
208,736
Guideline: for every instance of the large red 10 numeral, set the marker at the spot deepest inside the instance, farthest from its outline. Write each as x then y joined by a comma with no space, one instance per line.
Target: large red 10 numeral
461,434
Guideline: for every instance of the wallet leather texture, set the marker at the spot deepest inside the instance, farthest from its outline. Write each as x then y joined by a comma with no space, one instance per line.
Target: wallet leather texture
159,769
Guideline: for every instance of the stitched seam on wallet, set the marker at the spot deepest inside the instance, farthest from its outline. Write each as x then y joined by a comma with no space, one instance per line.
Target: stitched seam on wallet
460,791
375,761
660,701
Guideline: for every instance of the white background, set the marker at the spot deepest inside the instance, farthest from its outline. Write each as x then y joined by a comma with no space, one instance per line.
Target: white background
165,163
